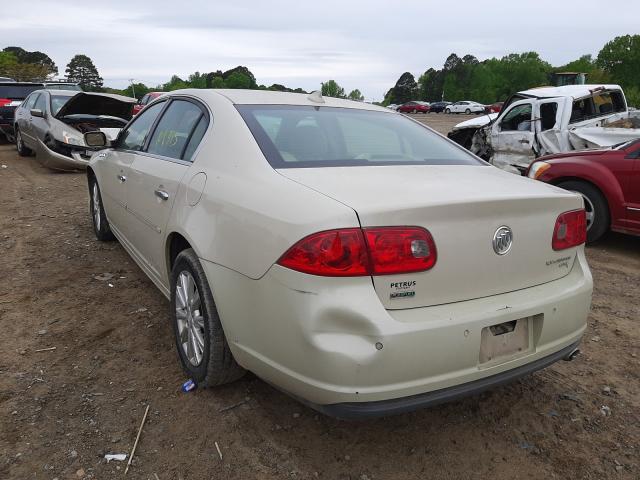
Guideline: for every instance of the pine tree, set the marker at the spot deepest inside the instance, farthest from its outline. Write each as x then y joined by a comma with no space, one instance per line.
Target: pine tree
82,70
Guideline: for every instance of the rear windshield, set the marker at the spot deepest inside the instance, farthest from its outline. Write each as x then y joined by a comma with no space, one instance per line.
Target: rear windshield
17,92
298,136
57,101
63,86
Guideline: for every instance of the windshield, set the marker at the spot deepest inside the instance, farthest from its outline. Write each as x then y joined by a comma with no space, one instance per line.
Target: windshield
57,101
63,86
297,136
17,92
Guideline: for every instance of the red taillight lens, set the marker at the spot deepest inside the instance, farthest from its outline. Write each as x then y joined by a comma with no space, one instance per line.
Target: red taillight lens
570,230
4,101
334,253
400,250
346,253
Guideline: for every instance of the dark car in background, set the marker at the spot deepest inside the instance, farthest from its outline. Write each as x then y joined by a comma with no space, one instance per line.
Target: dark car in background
12,94
145,100
439,107
414,107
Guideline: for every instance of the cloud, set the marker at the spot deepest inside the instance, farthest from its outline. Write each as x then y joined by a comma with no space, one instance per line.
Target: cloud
360,44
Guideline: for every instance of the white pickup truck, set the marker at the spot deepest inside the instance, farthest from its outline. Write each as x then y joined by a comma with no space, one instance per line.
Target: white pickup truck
549,120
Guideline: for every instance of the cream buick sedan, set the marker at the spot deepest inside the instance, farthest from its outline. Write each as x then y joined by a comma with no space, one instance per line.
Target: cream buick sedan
344,253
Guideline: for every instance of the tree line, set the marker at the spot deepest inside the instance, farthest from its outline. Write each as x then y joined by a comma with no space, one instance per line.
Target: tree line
25,66
495,79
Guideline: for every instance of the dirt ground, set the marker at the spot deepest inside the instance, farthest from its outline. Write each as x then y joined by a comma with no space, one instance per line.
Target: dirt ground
62,409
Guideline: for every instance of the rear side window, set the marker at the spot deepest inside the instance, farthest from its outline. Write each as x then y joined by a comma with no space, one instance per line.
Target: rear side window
298,136
548,113
174,129
134,136
196,138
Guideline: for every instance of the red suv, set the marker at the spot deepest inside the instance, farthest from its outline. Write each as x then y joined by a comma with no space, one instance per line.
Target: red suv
608,180
145,100
414,107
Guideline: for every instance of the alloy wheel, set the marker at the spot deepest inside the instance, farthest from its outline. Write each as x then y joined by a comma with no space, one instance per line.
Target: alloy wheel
190,318
19,141
588,208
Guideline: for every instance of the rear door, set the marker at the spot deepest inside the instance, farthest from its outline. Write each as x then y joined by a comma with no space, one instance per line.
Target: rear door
156,176
512,137
115,164
23,119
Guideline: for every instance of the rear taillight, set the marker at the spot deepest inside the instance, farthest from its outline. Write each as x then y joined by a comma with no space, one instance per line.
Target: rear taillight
570,230
352,252
4,101
400,250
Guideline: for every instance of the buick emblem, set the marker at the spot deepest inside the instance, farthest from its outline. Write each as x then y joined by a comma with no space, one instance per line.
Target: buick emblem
502,240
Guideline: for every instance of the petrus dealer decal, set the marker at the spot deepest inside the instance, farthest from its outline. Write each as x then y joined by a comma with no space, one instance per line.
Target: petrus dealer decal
402,289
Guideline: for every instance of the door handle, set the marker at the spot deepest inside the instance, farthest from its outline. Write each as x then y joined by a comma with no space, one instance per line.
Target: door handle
122,178
524,140
162,195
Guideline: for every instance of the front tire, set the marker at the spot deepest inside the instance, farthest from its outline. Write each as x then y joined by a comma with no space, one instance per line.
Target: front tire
467,111
447,111
595,205
23,150
100,223
202,346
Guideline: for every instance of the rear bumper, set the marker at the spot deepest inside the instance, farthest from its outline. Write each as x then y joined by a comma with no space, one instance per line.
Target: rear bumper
332,343
357,410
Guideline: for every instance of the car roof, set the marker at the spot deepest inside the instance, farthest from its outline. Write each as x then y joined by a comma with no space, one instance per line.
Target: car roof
575,91
267,97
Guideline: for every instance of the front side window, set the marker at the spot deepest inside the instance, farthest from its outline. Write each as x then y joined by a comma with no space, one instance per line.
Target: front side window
296,136
517,119
548,113
174,129
134,136
41,103
31,101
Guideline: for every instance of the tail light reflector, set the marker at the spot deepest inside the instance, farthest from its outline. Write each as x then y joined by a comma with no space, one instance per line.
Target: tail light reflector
570,230
354,252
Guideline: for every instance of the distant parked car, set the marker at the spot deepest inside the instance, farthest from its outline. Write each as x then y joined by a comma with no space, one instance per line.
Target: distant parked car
145,100
393,106
494,107
439,107
51,123
608,180
11,95
414,107
465,106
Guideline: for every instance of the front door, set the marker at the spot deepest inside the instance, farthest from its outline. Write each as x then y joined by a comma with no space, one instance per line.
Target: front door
115,166
155,182
633,191
512,137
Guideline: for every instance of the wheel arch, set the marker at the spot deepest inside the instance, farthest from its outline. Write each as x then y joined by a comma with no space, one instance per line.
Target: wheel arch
559,180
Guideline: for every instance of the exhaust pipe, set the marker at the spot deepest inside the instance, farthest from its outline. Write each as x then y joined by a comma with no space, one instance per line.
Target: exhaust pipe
572,355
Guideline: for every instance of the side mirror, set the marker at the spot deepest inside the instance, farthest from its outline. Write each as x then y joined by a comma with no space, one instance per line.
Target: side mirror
37,113
96,139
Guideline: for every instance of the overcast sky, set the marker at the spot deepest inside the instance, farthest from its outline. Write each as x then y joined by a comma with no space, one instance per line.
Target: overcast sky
365,44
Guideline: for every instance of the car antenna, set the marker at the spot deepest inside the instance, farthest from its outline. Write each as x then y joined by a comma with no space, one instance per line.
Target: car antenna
315,97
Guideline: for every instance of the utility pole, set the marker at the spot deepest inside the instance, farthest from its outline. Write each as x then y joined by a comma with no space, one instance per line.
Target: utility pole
133,89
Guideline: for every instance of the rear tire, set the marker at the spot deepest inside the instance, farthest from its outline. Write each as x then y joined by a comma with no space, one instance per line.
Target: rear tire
447,111
595,204
467,111
414,111
100,223
202,346
23,150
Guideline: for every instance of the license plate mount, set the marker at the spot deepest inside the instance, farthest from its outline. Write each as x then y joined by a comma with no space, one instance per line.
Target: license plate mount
504,341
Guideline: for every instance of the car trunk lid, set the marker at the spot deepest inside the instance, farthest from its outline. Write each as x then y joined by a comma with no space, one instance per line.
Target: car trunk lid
463,207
